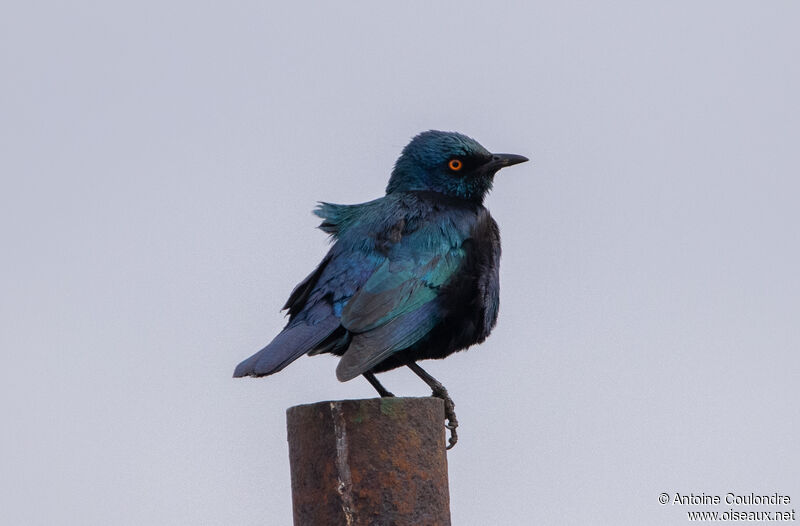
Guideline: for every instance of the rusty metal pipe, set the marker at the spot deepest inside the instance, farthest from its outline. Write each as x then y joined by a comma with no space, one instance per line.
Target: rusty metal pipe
378,461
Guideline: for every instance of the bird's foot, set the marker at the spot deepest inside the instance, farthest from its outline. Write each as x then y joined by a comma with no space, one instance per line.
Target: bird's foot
382,391
449,413
439,391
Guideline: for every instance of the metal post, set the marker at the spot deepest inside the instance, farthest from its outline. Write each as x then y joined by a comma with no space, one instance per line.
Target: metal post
379,461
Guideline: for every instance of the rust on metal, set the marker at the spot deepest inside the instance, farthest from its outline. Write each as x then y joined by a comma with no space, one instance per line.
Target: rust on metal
380,461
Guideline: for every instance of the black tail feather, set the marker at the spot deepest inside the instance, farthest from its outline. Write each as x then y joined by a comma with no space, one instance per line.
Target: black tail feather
293,342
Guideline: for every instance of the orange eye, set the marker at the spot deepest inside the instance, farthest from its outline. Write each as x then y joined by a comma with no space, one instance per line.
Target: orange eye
455,165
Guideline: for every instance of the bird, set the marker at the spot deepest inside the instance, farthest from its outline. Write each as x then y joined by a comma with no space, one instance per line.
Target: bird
410,276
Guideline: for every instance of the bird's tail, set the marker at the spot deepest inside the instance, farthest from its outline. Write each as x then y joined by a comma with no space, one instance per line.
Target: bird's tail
293,342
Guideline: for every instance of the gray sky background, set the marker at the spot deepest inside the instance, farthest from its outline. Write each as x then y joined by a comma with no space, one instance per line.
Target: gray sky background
159,164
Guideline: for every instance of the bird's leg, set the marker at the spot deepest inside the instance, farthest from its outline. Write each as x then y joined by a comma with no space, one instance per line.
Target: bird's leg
439,391
377,385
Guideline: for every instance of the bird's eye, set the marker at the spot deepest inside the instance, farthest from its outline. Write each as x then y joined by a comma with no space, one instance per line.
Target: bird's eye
455,164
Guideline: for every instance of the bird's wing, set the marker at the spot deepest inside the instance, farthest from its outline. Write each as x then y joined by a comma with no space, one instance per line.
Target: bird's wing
394,308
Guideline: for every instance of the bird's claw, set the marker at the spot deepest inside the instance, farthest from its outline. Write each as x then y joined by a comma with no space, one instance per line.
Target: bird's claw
453,437
451,424
449,415
439,391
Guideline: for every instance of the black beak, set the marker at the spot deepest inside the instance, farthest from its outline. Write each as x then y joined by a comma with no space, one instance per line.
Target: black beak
501,160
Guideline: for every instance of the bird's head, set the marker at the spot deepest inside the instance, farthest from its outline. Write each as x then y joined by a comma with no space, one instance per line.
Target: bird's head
449,163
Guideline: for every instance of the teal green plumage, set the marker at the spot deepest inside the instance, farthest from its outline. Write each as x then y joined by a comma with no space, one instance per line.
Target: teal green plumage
412,275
